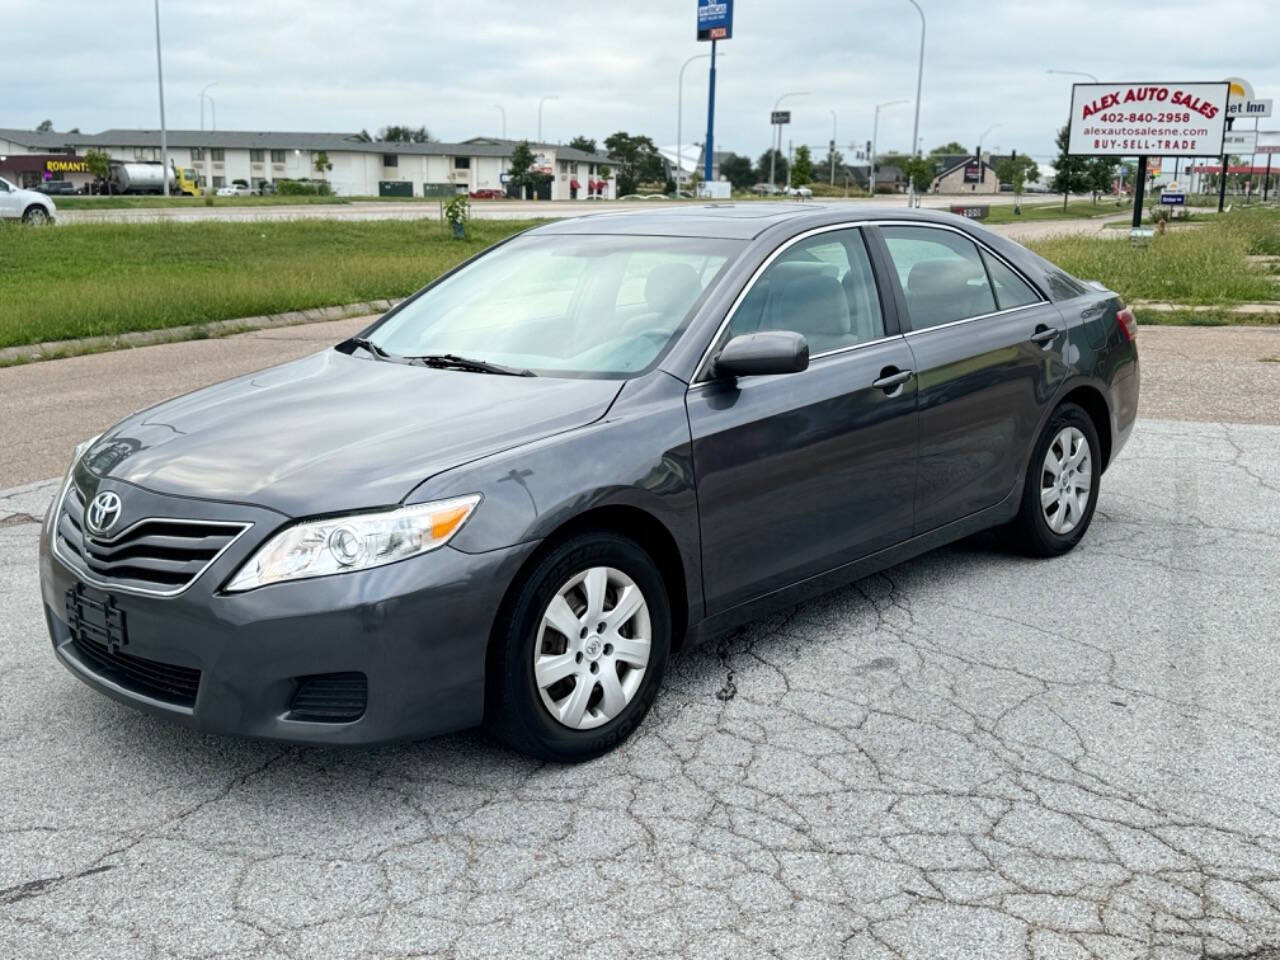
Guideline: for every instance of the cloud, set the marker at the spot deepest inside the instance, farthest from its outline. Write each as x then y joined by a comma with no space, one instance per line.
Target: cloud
326,65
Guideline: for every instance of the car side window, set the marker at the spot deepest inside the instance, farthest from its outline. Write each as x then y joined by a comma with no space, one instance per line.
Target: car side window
1011,290
941,273
822,288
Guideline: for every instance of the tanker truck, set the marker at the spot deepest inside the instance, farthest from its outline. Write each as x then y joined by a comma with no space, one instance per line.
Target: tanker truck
148,177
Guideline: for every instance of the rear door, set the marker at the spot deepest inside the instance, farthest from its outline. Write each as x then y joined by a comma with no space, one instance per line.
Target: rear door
799,473
988,352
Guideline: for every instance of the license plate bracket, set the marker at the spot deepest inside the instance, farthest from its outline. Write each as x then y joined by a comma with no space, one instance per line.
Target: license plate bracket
95,618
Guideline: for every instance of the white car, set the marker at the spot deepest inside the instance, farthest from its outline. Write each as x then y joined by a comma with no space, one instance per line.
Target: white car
25,205
234,190
799,192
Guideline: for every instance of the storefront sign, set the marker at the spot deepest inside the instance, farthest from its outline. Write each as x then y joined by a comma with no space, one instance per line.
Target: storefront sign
715,19
971,211
973,172
66,166
1240,141
1157,119
1243,103
779,117
1171,199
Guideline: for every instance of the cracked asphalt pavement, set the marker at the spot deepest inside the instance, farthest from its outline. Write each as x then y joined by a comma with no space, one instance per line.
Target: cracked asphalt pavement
972,755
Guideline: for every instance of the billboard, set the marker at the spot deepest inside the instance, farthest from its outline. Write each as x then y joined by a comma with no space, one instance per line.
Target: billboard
715,19
1153,119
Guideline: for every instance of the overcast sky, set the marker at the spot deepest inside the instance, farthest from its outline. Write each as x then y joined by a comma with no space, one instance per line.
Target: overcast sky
335,65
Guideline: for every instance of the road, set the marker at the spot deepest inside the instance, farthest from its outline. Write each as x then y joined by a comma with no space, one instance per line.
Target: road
406,210
971,756
1184,369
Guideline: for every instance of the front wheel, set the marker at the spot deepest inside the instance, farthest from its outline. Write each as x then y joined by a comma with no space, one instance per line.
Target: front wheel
580,651
36,215
1061,490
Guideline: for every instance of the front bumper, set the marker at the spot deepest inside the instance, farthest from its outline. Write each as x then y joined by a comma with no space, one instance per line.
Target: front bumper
417,630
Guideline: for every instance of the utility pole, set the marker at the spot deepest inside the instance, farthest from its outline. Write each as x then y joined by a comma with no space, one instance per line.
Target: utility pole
680,118
915,127
773,157
831,153
164,137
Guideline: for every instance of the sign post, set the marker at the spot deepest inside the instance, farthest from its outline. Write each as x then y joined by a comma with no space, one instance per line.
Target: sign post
1149,120
715,22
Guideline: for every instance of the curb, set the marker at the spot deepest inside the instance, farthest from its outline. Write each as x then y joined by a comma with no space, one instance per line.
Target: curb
57,349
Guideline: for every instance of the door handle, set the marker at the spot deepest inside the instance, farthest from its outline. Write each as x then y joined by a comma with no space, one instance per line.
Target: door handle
1045,334
891,378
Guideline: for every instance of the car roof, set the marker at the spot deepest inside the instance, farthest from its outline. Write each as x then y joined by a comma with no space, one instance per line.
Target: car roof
735,221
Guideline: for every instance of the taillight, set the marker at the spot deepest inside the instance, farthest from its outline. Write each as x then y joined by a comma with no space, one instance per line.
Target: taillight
1128,323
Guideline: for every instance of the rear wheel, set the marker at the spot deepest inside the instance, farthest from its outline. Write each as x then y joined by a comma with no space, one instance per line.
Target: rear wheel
36,215
581,649
1061,491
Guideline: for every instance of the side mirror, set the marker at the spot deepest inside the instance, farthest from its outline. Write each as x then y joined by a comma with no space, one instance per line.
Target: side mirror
759,354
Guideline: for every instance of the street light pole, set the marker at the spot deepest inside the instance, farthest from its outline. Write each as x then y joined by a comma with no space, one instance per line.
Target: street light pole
202,96
498,107
875,130
831,159
773,157
915,127
550,96
680,118
982,169
164,137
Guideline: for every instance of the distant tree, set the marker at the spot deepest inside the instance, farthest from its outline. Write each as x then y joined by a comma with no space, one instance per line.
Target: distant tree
400,134
919,171
46,126
520,169
585,144
738,171
802,169
322,163
1100,174
822,171
99,164
952,148
1069,172
363,136
637,159
1016,171
779,165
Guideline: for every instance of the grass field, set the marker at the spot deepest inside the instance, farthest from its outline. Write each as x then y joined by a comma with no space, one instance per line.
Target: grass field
1207,265
145,202
98,279
1037,210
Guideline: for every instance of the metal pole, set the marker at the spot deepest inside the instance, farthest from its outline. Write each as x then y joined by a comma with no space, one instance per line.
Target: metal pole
831,156
1138,186
213,114
499,108
778,149
708,151
680,118
1222,177
871,175
915,128
164,137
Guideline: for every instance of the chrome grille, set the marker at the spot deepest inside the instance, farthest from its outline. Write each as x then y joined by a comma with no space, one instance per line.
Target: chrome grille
159,555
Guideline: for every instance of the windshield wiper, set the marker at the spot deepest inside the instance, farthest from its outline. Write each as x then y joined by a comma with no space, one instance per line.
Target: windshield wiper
370,347
442,360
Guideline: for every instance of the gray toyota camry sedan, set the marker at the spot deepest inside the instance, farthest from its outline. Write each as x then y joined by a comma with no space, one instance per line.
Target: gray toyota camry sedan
512,498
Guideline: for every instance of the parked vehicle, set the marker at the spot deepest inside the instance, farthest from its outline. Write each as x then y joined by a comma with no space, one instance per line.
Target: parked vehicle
801,192
234,190
267,189
767,189
487,194
59,188
515,495
25,205
149,177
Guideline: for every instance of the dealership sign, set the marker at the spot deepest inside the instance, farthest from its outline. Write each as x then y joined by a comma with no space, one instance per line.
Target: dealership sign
1156,119
715,19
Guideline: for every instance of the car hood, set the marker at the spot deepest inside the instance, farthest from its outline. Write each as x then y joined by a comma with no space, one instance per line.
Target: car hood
333,432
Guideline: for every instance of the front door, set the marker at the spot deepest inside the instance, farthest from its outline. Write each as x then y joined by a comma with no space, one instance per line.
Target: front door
8,201
988,353
799,473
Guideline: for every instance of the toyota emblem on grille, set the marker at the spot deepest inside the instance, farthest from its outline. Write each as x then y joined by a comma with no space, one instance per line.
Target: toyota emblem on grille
102,513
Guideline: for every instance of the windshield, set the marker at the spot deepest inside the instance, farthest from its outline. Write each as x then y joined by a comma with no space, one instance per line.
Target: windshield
563,305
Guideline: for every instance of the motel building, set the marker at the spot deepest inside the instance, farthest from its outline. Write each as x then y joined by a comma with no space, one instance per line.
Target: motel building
358,167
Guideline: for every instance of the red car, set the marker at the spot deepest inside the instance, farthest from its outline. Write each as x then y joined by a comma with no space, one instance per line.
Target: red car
487,194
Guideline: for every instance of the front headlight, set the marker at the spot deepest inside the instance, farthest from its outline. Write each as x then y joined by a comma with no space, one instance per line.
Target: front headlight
321,548
81,448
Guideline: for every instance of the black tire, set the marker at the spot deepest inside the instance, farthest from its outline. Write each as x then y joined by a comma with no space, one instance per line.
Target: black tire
515,713
30,215
1030,531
